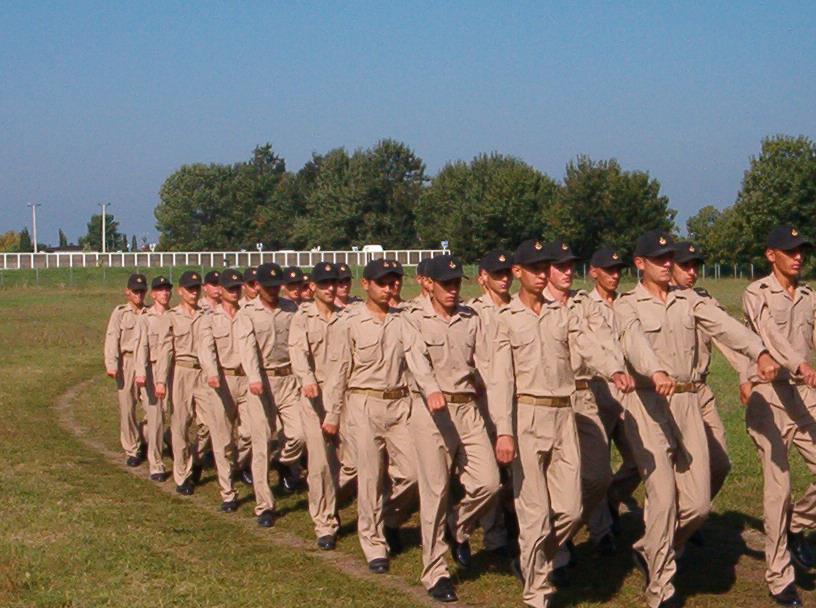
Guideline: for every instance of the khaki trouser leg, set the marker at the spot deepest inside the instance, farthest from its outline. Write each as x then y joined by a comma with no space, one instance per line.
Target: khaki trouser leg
254,416
243,443
403,490
323,468
286,403
715,435
128,396
596,472
546,469
492,520
154,431
347,452
201,440
217,409
670,448
181,418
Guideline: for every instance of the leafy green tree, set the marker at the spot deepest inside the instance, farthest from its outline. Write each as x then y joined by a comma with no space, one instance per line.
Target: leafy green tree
63,240
599,203
25,244
10,241
114,240
134,246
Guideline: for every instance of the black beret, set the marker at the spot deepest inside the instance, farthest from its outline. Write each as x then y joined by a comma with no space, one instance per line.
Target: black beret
376,269
212,278
137,282
685,251
531,251
559,252
159,282
190,278
231,278
249,274
654,243
787,237
607,257
494,261
324,271
343,271
444,268
269,275
292,274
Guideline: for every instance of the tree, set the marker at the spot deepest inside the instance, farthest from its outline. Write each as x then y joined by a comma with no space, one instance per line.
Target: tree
25,245
134,246
601,203
494,201
10,241
92,241
63,240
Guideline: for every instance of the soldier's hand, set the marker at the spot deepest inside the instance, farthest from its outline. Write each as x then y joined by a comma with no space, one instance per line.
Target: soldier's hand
214,382
808,374
745,392
505,449
161,390
330,430
311,391
664,385
623,382
140,380
436,402
767,367
111,373
256,388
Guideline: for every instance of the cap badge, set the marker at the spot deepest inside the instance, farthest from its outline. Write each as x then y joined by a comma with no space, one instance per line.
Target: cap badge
138,279
538,245
662,240
327,267
564,247
274,273
692,249
452,264
292,274
502,258
794,232
195,277
615,256
386,264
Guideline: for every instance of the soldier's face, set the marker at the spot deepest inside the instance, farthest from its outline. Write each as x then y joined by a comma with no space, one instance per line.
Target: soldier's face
293,291
343,288
269,295
250,289
656,270
607,278
381,290
325,291
231,294
446,292
498,282
189,295
685,274
532,277
161,295
789,263
560,276
135,297
212,291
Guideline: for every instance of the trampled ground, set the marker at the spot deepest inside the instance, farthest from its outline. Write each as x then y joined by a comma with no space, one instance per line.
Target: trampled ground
79,530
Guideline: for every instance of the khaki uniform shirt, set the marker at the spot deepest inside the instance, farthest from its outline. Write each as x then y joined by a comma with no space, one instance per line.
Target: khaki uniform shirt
121,335
532,356
221,339
658,336
266,344
147,346
314,349
441,353
179,335
489,314
785,323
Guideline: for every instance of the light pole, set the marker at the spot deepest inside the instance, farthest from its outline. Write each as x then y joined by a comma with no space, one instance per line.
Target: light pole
34,221
104,206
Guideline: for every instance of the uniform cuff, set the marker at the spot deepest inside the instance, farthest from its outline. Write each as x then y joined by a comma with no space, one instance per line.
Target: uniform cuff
332,418
504,427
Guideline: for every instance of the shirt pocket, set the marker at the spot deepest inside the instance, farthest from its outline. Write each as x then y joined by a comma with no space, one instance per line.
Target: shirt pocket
525,354
153,344
366,348
221,335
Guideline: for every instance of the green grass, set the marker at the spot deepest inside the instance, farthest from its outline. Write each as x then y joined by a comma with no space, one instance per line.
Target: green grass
77,530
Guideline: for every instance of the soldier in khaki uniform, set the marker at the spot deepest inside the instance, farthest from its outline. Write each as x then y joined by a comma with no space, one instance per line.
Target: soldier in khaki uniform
147,351
780,413
664,425
371,382
250,291
596,472
532,376
293,286
307,293
180,358
314,348
442,342
212,291
120,344
265,358
343,295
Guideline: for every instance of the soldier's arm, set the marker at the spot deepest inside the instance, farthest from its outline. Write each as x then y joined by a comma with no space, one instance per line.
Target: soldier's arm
250,357
164,357
482,354
759,317
501,390
112,334
299,351
334,391
207,357
141,356
594,339
417,357
636,348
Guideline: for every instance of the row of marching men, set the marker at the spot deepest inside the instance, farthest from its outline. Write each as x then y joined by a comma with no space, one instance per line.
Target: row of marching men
537,383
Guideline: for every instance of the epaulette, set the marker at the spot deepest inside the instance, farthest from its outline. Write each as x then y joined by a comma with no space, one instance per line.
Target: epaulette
806,288
702,291
287,305
578,295
627,294
121,307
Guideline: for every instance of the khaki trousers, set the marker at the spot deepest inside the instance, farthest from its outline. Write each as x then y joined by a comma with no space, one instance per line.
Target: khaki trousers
492,520
130,431
454,439
382,434
194,399
154,430
235,397
286,406
347,452
669,445
777,416
323,469
715,435
547,490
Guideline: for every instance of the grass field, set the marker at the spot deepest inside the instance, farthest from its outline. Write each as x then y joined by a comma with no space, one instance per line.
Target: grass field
78,530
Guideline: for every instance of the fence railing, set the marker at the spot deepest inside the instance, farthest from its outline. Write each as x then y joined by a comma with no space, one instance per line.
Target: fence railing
209,259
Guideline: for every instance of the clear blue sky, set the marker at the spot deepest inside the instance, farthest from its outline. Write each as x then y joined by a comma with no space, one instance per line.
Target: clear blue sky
102,101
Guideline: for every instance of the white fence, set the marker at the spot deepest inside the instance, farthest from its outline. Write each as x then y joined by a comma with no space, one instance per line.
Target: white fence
207,259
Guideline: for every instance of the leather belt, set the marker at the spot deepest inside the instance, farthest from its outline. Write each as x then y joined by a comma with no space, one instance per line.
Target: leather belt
582,385
127,353
544,401
188,364
285,370
459,397
387,395
679,387
238,371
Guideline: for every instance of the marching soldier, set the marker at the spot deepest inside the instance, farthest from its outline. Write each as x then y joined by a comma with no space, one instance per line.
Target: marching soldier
147,351
306,293
212,291
782,310
314,345
371,383
265,359
180,334
250,290
532,375
293,286
120,343
343,295
442,342
658,325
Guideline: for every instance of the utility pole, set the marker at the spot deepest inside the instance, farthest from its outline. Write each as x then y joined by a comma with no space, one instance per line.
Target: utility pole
34,221
104,241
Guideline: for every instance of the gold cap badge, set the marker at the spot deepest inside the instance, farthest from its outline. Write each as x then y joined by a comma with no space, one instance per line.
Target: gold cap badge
615,256
138,279
538,245
452,264
794,232
502,258
292,274
662,240
327,267
564,246
274,272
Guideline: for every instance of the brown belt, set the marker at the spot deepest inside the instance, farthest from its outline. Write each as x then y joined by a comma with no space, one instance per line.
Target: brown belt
127,353
459,397
238,371
544,401
188,364
388,395
582,385
286,370
679,387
